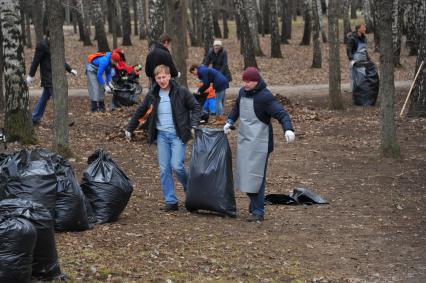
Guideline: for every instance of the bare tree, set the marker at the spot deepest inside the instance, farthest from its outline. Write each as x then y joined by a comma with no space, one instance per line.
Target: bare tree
86,21
224,12
266,16
155,20
388,143
17,116
141,6
307,30
368,17
397,21
275,31
353,8
135,16
37,17
412,16
216,27
127,26
112,13
251,11
346,20
334,76
207,11
99,26
316,54
285,21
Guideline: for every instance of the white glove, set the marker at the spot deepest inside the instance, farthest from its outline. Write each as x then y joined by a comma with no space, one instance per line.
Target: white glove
29,80
74,72
128,134
193,131
227,128
107,89
289,136
352,62
179,74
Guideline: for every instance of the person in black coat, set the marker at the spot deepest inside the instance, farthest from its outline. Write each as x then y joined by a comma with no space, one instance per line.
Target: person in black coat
218,58
159,54
42,59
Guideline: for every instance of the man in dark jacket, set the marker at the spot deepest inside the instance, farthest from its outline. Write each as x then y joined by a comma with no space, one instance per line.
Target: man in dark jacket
159,54
174,115
255,106
356,48
218,58
42,58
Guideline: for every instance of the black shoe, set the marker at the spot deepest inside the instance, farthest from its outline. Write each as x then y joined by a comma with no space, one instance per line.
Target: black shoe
255,218
170,207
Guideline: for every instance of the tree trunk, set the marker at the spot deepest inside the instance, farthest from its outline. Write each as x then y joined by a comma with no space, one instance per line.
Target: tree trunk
86,20
155,20
418,98
388,143
353,9
307,30
266,16
127,25
397,21
59,79
246,42
207,11
2,100
112,12
334,76
118,19
99,26
216,27
316,56
37,17
376,24
368,17
225,24
321,22
141,6
346,20
17,116
411,32
79,16
177,15
196,15
135,16
275,31
22,10
285,21
66,7
251,10
28,29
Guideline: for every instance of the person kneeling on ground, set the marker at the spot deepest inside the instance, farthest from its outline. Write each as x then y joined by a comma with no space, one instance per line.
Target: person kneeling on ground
175,114
255,106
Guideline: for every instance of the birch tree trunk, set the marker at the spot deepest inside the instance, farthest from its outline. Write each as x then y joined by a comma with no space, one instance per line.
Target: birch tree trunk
418,98
316,54
307,30
207,11
334,76
346,20
321,22
99,26
411,31
275,31
397,21
2,100
388,143
251,11
368,17
59,79
155,20
141,6
127,26
246,42
17,116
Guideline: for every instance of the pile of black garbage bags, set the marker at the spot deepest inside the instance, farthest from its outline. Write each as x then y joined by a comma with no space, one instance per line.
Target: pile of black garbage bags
39,193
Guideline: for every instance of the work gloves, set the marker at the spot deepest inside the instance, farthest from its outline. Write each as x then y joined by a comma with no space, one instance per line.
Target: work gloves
227,128
109,87
352,63
289,136
74,72
128,134
29,80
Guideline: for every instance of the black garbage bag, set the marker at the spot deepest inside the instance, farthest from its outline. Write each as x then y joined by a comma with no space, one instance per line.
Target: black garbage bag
17,241
106,186
299,196
210,181
45,257
127,94
365,83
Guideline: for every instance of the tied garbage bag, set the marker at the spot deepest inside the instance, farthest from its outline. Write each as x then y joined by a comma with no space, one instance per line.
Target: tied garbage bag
106,186
45,257
17,241
127,95
299,196
365,83
210,181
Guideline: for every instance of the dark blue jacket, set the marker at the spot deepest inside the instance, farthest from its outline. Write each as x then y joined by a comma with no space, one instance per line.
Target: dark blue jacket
219,62
210,75
266,106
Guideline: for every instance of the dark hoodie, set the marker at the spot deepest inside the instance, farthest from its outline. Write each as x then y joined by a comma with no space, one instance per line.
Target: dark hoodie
159,55
266,106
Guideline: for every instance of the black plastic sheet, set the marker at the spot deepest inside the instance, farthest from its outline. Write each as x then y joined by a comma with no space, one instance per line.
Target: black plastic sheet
299,196
365,83
45,258
17,241
106,186
210,181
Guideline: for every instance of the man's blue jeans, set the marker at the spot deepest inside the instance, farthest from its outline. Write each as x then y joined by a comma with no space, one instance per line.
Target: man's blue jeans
41,104
257,200
220,97
171,156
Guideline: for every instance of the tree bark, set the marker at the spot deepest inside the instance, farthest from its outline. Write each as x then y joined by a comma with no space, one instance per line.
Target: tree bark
412,16
225,23
59,79
135,16
207,11
99,26
275,31
127,26
22,10
334,76
28,29
112,12
246,42
17,122
388,143
155,20
316,54
346,20
2,100
307,30
141,6
418,98
376,26
78,13
321,22
216,27
353,9
266,16
368,17
251,11
37,17
397,21
86,20
285,21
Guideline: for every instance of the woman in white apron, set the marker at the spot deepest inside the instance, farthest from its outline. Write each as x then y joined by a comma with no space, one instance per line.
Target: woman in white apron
255,106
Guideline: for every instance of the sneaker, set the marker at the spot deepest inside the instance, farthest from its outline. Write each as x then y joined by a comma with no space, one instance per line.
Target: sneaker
170,207
255,218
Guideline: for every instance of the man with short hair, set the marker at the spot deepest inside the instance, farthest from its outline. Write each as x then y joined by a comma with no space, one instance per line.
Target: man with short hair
42,58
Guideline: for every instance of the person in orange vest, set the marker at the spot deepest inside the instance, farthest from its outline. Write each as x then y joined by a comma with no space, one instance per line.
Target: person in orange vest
210,103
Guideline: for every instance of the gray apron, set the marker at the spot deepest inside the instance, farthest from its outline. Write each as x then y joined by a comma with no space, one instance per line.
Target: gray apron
96,91
252,149
360,55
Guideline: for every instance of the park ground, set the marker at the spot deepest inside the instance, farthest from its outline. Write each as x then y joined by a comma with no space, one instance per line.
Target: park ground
373,230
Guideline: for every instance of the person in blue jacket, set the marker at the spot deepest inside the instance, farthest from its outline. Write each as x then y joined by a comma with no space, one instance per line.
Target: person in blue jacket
220,84
97,65
255,106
